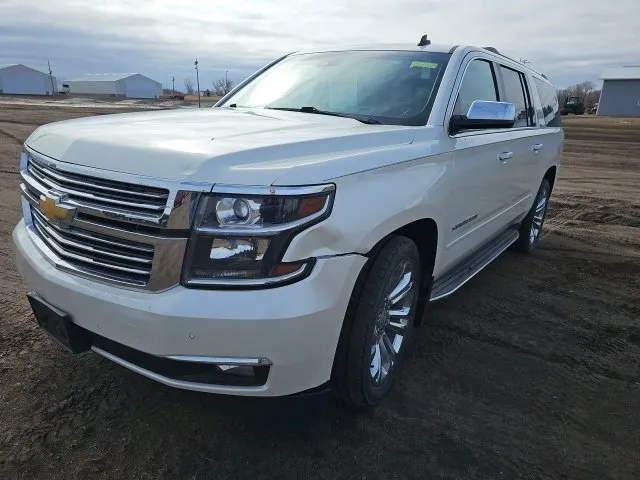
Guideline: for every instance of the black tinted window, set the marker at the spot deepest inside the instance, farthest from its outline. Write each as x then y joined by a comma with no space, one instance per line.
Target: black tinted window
549,100
515,92
478,84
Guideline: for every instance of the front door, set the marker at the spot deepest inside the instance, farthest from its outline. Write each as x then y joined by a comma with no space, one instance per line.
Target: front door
482,184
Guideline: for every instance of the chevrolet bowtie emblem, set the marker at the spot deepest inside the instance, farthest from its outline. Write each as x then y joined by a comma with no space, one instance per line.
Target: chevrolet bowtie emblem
50,206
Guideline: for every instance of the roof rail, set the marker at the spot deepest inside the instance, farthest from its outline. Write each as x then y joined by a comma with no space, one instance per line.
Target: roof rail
495,50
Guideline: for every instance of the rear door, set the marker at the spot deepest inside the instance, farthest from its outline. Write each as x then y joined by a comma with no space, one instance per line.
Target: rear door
524,142
550,133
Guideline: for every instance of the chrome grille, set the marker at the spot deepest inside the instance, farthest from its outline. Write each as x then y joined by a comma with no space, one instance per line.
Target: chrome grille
121,200
109,257
118,228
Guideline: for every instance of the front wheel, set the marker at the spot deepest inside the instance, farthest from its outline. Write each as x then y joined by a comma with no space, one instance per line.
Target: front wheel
379,325
531,226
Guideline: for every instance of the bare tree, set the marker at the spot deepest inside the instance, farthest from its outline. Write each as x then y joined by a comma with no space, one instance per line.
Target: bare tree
222,86
188,85
587,86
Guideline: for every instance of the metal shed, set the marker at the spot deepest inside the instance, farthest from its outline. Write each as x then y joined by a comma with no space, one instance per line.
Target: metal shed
18,79
620,92
128,85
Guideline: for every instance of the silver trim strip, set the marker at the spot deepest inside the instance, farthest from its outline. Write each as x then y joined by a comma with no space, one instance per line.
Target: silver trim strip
89,261
60,188
101,229
51,231
93,209
92,237
241,361
198,387
272,190
58,176
61,264
482,267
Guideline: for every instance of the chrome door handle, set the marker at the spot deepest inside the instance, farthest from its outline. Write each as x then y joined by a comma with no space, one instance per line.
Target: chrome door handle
537,147
504,156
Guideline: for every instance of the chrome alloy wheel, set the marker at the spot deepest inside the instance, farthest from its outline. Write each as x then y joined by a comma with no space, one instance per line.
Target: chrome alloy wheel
538,218
392,323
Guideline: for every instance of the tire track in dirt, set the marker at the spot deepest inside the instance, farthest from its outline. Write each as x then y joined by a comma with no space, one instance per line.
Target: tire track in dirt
557,359
11,136
566,215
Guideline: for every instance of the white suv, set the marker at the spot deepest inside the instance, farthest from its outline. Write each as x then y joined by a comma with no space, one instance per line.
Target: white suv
292,235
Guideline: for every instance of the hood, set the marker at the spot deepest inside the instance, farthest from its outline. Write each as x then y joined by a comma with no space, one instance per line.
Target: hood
219,145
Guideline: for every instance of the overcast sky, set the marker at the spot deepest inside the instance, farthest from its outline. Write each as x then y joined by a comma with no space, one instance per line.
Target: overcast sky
569,40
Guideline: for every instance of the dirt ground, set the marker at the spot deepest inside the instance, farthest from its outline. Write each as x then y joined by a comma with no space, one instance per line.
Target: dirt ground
532,370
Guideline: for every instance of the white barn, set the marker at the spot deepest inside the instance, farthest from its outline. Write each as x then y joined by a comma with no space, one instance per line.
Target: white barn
128,85
18,79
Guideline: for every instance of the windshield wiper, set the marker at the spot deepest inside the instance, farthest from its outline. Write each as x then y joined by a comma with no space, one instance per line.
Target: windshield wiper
360,118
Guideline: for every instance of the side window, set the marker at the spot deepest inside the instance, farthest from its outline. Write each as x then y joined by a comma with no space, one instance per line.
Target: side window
549,101
479,83
514,92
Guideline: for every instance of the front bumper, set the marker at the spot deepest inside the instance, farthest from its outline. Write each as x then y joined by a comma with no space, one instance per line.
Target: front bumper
296,327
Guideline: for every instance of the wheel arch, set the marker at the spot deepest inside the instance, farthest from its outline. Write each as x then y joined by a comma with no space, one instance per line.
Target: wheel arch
424,233
550,175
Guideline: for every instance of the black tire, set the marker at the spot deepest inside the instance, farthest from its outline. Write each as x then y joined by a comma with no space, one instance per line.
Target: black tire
528,238
354,363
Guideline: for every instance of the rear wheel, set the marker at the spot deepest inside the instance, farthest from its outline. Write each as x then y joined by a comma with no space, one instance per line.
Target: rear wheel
531,227
379,325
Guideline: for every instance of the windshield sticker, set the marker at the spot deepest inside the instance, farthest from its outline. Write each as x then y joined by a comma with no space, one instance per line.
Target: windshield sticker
416,64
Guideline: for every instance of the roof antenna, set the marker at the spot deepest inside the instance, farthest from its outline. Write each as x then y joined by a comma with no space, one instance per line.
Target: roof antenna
424,41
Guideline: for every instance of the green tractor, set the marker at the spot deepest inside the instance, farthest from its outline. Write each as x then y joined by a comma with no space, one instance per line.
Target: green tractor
573,105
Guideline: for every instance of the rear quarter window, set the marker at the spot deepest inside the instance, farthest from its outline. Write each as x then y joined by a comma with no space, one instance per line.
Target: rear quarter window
549,101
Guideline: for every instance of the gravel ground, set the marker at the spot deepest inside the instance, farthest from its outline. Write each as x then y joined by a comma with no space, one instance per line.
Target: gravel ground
532,370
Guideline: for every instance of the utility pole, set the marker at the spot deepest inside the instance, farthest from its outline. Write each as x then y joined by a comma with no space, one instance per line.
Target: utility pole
173,85
51,78
197,81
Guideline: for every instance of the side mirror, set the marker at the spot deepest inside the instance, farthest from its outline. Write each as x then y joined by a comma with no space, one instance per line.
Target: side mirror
484,115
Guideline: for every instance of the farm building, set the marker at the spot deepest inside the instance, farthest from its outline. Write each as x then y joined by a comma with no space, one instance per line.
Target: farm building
17,79
620,92
129,85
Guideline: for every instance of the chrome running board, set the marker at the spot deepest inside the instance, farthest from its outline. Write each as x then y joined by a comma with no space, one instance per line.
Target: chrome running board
468,268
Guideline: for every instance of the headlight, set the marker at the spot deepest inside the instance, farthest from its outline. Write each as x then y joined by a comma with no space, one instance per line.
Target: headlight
241,233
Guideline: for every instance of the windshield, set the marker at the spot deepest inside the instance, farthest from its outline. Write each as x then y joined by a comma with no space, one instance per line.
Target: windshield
392,87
